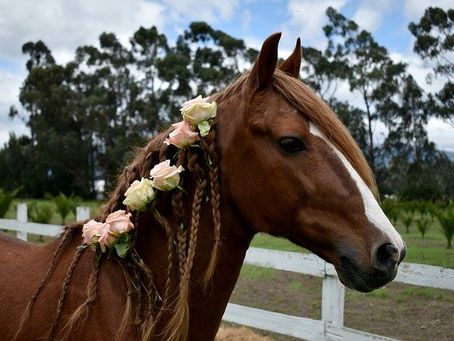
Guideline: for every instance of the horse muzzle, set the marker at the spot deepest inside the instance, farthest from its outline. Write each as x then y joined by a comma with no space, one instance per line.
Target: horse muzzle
383,269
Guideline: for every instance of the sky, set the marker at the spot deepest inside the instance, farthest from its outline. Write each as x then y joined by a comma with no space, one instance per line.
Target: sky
65,25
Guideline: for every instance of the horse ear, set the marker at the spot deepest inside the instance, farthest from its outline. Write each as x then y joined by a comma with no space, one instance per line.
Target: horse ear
292,64
262,72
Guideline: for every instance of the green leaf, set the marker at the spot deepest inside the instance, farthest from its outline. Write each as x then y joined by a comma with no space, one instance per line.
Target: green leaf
82,247
204,128
122,249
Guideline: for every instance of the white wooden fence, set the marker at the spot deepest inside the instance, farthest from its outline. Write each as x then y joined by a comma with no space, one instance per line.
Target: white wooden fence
330,327
23,227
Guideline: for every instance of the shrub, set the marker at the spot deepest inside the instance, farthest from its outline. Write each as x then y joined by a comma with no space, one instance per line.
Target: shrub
423,224
41,212
446,219
6,197
64,205
407,219
391,209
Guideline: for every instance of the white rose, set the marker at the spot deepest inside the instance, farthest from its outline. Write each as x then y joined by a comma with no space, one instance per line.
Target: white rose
139,194
165,177
198,110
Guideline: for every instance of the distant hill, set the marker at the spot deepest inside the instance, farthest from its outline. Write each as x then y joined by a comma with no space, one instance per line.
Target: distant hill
450,154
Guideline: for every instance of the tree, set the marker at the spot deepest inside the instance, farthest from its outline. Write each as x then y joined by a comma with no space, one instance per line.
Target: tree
215,57
108,95
323,72
434,44
149,48
56,145
372,73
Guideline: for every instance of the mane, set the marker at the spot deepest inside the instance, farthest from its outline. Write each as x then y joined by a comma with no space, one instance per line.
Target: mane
142,308
317,111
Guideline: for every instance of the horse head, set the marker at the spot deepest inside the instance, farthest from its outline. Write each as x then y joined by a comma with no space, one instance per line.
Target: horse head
291,169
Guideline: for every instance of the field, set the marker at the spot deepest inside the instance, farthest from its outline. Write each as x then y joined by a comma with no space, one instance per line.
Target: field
397,310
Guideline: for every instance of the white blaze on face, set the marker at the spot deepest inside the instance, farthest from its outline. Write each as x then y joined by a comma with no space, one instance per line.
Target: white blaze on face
372,209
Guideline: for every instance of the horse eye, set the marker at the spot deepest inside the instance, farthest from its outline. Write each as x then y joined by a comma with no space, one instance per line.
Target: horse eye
291,144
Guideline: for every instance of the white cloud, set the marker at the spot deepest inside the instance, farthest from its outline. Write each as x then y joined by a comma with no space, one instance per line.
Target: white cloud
307,19
246,19
9,92
419,70
210,11
414,10
441,133
64,25
370,13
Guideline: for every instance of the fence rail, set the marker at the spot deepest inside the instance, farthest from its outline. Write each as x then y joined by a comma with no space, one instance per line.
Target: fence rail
330,327
23,227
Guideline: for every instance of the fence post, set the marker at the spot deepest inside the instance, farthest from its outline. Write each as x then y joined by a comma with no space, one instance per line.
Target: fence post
82,213
23,218
333,294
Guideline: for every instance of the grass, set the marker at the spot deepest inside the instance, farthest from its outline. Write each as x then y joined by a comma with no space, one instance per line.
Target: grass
254,272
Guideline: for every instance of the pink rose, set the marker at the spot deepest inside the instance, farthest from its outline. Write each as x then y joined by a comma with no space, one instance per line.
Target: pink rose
92,229
107,239
182,136
119,222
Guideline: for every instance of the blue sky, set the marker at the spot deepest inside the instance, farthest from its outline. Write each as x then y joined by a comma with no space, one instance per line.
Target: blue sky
64,25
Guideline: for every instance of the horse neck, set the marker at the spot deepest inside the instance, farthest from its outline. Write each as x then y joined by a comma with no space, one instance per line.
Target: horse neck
207,304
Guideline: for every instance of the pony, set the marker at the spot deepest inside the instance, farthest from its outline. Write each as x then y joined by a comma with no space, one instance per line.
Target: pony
278,160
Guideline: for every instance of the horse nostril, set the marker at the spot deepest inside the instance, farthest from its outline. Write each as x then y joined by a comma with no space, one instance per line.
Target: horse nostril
403,253
387,256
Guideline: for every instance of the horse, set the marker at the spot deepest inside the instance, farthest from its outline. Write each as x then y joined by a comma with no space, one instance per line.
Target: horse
277,160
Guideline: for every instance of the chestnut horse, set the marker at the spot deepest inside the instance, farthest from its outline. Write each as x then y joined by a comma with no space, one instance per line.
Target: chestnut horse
278,161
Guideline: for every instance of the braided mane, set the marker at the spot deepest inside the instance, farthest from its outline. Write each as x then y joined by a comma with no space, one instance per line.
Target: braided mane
144,304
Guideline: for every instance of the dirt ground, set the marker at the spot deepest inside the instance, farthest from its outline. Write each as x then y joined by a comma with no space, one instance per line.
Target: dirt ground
401,311
229,333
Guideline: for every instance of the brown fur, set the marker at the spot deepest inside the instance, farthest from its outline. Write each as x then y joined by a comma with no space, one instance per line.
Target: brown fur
177,282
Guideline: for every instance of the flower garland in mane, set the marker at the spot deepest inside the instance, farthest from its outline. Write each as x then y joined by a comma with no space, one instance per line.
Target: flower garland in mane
149,181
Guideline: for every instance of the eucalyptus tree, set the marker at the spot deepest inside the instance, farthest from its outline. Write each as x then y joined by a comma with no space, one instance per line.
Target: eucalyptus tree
216,58
371,72
108,93
149,48
57,148
434,43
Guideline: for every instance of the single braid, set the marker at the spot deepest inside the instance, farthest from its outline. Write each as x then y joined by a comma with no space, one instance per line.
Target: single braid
178,326
49,272
166,298
66,282
178,211
215,204
80,315
131,290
